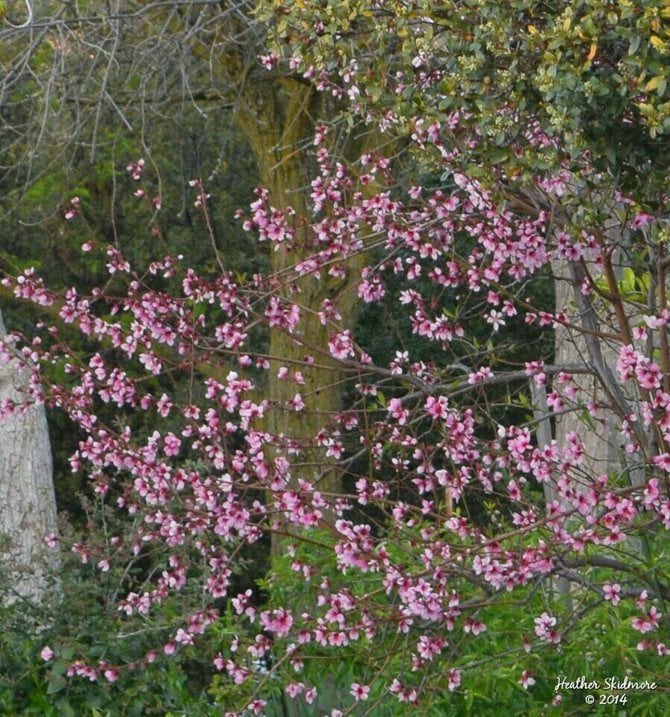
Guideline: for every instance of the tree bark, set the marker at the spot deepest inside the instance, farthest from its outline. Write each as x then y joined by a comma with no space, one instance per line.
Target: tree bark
600,436
278,119
27,499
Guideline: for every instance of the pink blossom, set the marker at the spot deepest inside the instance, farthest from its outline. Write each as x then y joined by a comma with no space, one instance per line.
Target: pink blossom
135,169
51,540
341,345
544,628
526,680
437,407
397,411
360,692
257,706
453,679
269,61
111,675
278,621
294,689
647,623
612,593
641,219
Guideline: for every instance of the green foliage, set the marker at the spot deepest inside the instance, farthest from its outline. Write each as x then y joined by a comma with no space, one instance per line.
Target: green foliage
80,620
597,643
594,74
599,647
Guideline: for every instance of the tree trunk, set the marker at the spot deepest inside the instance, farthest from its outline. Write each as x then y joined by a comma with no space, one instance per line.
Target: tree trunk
278,119
599,429
27,499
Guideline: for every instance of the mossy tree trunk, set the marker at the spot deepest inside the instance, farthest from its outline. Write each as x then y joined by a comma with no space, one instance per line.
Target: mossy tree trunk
278,119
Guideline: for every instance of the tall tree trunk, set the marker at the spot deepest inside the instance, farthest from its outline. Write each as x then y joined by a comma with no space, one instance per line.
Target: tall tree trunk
278,119
27,499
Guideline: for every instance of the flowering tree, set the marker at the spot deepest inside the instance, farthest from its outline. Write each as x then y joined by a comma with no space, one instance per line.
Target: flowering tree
471,521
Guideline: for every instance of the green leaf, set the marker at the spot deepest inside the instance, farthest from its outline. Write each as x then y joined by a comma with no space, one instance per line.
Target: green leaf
56,683
657,84
628,281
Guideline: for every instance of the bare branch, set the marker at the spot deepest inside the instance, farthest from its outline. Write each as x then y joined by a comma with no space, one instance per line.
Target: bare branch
29,19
